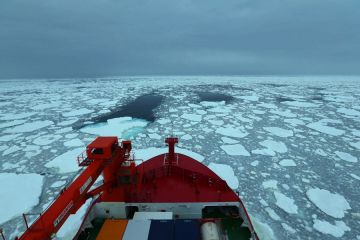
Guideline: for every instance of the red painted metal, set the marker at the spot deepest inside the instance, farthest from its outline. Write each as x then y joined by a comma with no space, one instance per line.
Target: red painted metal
75,195
170,177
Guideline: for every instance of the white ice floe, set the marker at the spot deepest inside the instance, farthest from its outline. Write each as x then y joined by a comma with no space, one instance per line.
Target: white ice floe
29,127
288,228
280,132
19,194
163,121
300,104
268,105
186,137
212,104
124,127
216,122
67,122
286,113
74,143
58,184
46,139
12,123
255,163
333,204
321,127
232,132
294,121
229,140
346,156
66,162
72,224
272,214
349,112
264,151
355,176
78,112
9,137
263,230
226,173
270,184
285,203
10,150
235,150
16,116
287,163
253,98
147,153
355,145
337,230
275,146
154,136
192,117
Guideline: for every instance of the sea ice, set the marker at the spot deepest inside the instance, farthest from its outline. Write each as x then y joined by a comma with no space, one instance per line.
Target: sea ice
270,184
300,104
124,127
321,127
72,224
272,214
147,153
192,117
346,156
12,123
74,143
350,112
9,137
280,132
235,150
16,116
66,162
275,146
19,194
46,139
285,203
232,132
253,98
355,144
287,163
226,173
229,140
337,230
78,112
58,184
333,204
29,127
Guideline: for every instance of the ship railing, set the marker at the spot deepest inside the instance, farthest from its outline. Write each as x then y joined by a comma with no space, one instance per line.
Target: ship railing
83,160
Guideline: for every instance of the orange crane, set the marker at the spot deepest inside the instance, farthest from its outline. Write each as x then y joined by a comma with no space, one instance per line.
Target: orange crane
103,155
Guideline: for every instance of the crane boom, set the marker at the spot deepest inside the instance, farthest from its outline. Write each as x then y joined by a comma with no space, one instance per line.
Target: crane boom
103,155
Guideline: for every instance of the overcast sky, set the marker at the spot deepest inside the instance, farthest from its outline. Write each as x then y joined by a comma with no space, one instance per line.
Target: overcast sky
89,38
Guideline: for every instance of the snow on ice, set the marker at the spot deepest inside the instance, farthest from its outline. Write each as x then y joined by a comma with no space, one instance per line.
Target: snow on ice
333,204
235,150
280,132
66,162
285,203
226,173
19,193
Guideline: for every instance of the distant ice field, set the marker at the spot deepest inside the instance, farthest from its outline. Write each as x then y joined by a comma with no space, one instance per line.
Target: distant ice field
289,145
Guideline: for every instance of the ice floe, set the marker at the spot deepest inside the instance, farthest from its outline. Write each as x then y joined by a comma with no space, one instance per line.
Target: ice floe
323,128
355,145
73,222
229,140
19,194
285,203
78,112
287,163
346,156
337,230
232,132
12,123
280,132
16,116
124,127
192,117
46,139
29,127
350,112
333,204
235,150
226,173
300,104
274,146
147,153
270,184
66,162
74,143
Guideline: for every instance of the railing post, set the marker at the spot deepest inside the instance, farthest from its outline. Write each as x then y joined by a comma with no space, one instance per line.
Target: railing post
2,234
26,223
